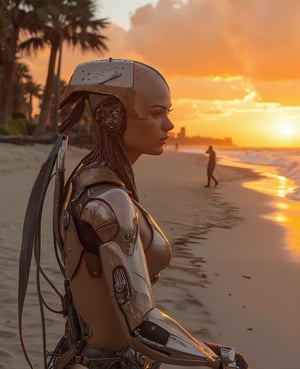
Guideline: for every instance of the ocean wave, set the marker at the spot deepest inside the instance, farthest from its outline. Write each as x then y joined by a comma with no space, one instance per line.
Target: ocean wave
285,161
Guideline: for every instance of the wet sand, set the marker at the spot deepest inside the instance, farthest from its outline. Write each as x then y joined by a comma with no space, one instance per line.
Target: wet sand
230,280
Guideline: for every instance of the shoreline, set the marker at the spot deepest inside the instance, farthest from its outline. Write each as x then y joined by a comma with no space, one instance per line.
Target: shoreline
257,287
228,281
223,284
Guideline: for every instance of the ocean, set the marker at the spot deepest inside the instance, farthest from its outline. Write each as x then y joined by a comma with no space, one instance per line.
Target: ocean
280,166
280,178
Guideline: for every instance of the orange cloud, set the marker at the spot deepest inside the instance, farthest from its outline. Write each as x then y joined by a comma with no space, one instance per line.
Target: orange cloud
208,88
258,39
233,66
285,91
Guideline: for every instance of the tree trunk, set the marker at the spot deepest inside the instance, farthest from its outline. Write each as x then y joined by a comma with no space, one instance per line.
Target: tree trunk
6,88
56,96
30,107
6,80
45,107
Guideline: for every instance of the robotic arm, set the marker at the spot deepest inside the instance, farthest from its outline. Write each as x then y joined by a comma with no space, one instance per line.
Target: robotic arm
153,333
124,269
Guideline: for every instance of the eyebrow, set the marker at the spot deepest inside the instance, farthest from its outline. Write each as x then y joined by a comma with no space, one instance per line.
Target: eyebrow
160,106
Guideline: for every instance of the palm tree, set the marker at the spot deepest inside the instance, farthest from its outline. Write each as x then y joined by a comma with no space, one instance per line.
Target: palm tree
31,90
71,21
21,76
15,16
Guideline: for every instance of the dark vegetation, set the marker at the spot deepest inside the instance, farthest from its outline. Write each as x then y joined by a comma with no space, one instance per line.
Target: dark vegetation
26,28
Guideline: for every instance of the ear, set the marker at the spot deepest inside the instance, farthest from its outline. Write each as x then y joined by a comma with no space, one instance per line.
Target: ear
111,115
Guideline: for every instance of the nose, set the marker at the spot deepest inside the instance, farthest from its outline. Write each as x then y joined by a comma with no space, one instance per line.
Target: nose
168,125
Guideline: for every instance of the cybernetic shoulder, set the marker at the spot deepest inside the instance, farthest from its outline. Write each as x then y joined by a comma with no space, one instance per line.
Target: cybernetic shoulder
112,214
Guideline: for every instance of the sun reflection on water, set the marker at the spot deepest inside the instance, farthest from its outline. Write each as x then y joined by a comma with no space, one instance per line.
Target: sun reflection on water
282,188
287,212
282,205
290,219
273,184
280,218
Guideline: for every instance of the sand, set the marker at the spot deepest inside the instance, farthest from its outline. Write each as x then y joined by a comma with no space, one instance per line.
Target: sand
230,280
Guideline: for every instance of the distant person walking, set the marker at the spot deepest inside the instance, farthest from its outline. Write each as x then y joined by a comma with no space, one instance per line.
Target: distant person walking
211,166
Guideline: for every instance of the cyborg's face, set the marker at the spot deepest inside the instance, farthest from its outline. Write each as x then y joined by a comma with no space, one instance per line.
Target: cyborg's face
149,135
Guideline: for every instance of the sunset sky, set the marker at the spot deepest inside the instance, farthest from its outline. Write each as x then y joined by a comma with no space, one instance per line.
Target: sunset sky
233,65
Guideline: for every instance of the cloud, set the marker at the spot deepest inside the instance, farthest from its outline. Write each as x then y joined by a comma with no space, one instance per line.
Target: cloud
215,111
204,38
209,88
223,59
287,91
257,39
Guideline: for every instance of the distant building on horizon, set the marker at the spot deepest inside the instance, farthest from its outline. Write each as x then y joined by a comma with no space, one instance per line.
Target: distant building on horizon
182,139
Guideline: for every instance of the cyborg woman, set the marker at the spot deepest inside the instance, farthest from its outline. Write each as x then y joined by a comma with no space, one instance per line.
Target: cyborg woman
110,249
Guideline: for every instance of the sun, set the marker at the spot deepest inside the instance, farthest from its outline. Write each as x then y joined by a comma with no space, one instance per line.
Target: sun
287,129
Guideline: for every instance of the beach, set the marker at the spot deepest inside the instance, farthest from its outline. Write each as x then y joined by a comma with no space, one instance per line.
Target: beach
231,280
